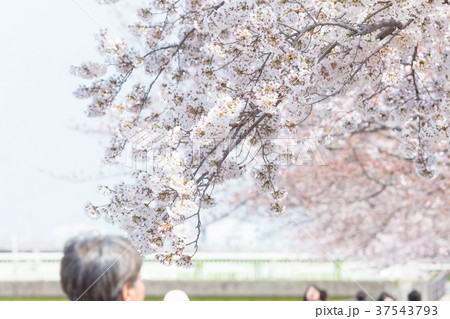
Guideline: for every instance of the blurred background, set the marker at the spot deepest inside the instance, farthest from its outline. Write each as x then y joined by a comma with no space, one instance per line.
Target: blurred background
50,166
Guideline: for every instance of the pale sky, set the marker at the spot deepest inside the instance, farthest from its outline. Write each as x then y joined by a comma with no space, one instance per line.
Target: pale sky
40,40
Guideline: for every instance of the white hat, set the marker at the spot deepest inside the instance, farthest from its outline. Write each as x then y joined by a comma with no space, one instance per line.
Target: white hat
176,295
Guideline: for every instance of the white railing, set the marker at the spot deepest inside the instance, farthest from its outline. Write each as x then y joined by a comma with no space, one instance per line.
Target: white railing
221,266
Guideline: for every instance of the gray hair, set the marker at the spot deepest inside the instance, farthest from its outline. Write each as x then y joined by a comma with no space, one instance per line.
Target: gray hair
98,267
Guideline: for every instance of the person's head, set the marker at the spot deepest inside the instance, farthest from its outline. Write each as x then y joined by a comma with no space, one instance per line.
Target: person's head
384,296
101,268
312,293
414,296
361,296
323,295
176,295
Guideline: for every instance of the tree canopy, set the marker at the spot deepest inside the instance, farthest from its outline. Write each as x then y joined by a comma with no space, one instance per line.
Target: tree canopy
210,89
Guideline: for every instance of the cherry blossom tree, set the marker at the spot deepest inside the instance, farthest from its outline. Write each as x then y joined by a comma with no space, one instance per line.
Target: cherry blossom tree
210,86
366,203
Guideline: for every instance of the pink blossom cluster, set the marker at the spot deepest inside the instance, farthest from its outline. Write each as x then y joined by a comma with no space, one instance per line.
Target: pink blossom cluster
207,72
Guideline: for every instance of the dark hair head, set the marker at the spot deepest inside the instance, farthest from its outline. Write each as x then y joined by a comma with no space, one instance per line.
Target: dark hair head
323,295
384,295
414,296
98,267
361,296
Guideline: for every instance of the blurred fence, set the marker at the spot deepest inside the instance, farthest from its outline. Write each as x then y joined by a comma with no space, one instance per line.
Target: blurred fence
222,274
230,266
45,267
